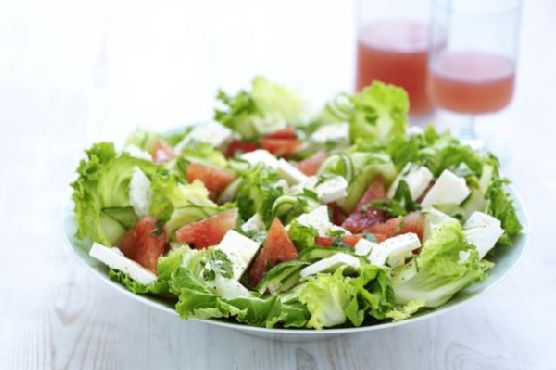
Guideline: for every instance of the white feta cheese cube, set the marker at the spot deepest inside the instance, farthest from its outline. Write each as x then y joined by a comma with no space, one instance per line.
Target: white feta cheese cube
328,190
140,193
255,223
339,228
240,250
330,263
364,247
394,250
417,178
135,151
210,132
332,132
260,156
318,219
289,172
483,231
332,189
448,190
113,258
229,288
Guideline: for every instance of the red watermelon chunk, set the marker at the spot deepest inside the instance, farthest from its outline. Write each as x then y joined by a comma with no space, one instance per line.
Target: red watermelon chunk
144,243
285,133
210,231
238,146
338,215
277,248
411,223
311,165
364,216
280,147
215,179
350,240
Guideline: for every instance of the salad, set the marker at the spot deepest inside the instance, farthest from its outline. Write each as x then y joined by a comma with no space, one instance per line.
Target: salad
272,216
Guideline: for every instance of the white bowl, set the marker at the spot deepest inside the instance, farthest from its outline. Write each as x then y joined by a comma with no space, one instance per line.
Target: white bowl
505,258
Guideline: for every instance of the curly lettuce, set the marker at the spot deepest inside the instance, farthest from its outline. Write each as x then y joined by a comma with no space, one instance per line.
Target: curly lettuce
103,183
379,114
200,296
446,265
265,108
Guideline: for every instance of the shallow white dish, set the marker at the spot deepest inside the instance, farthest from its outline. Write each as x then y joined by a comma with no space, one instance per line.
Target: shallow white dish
505,258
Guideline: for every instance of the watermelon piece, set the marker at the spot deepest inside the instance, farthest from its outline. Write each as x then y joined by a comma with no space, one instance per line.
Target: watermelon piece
280,147
350,240
238,146
215,179
145,242
364,217
411,223
284,133
277,248
311,165
210,231
162,152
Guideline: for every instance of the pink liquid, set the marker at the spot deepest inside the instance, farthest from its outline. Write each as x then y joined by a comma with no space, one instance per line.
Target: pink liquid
472,83
395,52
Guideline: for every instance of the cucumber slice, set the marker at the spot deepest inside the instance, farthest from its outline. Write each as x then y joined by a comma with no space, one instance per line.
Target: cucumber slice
229,193
339,164
313,254
281,277
362,181
474,202
188,214
283,204
124,215
111,228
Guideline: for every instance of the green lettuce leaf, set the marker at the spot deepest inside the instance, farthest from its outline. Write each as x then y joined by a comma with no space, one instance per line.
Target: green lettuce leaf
146,140
327,296
500,205
197,298
166,267
103,182
379,114
127,282
200,152
161,286
272,98
267,107
302,236
257,192
446,265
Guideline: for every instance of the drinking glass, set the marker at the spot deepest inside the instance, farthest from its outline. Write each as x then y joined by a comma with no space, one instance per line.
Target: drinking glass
392,39
472,55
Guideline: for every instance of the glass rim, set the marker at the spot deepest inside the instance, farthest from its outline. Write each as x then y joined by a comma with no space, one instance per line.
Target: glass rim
449,5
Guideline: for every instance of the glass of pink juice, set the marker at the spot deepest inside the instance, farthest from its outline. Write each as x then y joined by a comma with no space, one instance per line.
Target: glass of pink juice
392,47
473,71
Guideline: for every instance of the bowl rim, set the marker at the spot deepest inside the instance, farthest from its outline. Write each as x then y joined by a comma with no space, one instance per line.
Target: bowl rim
66,214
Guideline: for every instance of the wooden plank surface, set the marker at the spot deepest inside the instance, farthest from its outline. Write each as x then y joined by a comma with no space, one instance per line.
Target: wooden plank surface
76,71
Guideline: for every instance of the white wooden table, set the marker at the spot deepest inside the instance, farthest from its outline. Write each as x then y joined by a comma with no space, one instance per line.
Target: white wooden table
72,72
